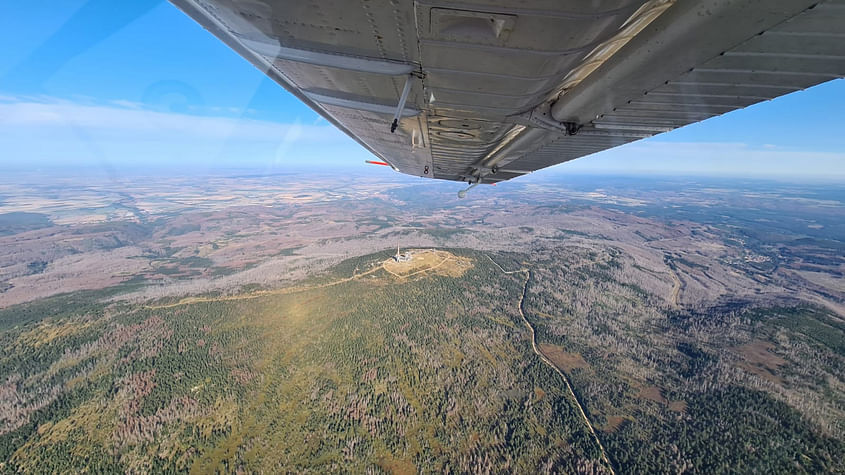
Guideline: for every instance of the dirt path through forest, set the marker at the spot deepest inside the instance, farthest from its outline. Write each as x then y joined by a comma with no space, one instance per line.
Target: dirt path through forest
676,288
291,290
549,362
677,284
264,293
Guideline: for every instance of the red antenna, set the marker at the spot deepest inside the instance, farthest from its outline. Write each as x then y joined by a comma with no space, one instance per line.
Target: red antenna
371,162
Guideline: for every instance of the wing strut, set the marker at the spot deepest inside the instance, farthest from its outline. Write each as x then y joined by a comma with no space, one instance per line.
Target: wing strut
463,193
402,99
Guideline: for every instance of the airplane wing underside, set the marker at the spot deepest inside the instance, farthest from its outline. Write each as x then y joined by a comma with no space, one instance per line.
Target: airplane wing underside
486,91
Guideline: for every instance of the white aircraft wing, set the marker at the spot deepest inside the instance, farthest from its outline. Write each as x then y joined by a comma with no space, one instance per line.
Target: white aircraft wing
488,90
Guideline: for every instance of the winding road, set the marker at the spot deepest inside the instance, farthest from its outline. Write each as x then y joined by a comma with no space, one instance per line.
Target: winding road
676,283
264,293
549,362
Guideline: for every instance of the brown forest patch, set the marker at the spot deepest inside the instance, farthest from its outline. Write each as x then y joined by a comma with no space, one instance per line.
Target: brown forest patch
613,423
652,393
562,359
397,466
758,360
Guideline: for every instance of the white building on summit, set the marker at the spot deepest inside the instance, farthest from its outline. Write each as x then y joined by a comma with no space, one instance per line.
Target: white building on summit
402,257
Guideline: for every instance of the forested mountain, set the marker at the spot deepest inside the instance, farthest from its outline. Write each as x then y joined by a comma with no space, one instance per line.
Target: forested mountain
433,371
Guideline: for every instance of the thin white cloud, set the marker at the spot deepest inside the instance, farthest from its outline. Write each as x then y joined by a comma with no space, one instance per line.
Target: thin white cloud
127,118
126,104
44,131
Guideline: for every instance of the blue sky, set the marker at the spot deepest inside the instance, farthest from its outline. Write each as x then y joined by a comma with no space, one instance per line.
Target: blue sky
129,84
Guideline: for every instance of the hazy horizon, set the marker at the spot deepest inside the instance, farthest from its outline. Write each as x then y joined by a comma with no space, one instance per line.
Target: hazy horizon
389,176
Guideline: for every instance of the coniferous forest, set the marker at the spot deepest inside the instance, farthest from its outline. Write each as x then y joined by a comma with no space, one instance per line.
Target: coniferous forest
430,372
